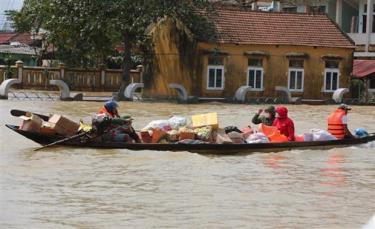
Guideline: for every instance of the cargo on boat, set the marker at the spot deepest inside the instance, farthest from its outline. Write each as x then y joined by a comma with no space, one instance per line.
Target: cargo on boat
161,135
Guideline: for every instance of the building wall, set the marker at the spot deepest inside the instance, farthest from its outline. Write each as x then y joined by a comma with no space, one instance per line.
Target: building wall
275,69
174,60
180,60
347,13
332,9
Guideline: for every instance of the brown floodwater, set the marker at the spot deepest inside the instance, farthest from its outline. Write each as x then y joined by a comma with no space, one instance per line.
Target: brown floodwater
89,188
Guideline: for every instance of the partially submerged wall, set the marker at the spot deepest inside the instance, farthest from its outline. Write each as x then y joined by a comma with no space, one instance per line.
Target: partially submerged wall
175,59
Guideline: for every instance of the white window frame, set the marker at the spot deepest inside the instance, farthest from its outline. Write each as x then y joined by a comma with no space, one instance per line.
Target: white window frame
303,79
331,70
215,67
261,76
371,89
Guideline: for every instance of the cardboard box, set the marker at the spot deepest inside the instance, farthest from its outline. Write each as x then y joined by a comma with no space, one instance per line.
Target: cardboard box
47,128
222,137
63,125
173,136
186,135
157,135
31,123
209,119
145,137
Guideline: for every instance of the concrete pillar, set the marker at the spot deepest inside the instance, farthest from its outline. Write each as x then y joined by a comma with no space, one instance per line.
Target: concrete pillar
339,12
19,66
62,70
370,9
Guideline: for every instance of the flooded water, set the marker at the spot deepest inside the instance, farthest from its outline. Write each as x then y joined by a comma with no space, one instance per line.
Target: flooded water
88,188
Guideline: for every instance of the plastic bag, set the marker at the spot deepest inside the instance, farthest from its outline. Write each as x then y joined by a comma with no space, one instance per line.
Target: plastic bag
322,135
229,129
158,124
361,133
236,137
177,121
308,137
257,138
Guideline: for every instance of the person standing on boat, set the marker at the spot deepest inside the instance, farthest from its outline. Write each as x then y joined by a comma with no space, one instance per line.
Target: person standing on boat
283,123
110,109
338,123
267,118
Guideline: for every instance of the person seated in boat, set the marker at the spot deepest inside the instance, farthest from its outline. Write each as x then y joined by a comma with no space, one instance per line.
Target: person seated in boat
283,123
116,129
122,128
267,118
109,109
338,123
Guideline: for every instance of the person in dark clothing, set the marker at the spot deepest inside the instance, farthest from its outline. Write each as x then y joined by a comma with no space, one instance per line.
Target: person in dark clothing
267,118
122,127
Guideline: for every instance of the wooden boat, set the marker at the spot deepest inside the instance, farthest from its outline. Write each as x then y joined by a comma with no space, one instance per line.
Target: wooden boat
198,148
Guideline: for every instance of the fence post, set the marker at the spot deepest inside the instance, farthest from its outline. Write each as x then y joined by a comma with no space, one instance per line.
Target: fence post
19,66
140,70
102,75
62,71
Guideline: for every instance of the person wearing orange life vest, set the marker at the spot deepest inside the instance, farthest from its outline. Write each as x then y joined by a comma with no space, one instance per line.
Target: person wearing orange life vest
338,123
110,109
120,128
283,123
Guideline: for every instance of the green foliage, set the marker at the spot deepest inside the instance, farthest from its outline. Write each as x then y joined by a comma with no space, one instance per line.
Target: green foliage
9,71
84,33
357,89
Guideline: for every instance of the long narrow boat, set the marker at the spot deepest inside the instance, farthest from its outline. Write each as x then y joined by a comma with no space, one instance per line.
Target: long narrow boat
199,148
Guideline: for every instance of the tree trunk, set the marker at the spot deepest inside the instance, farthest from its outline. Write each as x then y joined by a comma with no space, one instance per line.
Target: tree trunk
126,65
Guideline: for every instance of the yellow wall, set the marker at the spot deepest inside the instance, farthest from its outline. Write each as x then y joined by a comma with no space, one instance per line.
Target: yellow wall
275,69
174,60
178,59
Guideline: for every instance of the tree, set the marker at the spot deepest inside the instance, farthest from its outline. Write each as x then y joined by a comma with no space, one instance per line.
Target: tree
87,30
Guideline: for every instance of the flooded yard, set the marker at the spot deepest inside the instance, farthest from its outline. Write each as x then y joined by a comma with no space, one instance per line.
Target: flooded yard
88,188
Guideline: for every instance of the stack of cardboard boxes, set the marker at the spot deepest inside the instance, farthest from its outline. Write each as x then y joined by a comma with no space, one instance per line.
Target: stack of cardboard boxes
56,124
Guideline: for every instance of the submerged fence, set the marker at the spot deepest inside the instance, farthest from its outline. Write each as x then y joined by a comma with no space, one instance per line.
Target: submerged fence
77,79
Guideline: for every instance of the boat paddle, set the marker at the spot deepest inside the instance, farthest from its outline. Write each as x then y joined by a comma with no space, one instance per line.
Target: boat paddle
62,141
18,113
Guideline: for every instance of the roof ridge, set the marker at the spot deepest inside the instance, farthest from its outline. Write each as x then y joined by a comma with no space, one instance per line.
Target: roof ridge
249,27
238,9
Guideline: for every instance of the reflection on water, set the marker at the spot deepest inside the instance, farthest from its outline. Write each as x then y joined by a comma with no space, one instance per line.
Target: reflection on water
275,161
334,173
88,188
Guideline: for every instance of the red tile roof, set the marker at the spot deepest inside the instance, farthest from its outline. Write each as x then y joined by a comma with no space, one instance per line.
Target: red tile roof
276,28
23,38
6,37
363,68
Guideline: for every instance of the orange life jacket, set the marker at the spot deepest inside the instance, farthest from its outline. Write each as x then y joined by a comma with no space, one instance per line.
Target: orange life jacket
335,125
272,133
104,111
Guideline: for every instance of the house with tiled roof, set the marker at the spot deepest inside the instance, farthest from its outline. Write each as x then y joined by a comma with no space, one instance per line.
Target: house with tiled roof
19,46
305,53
